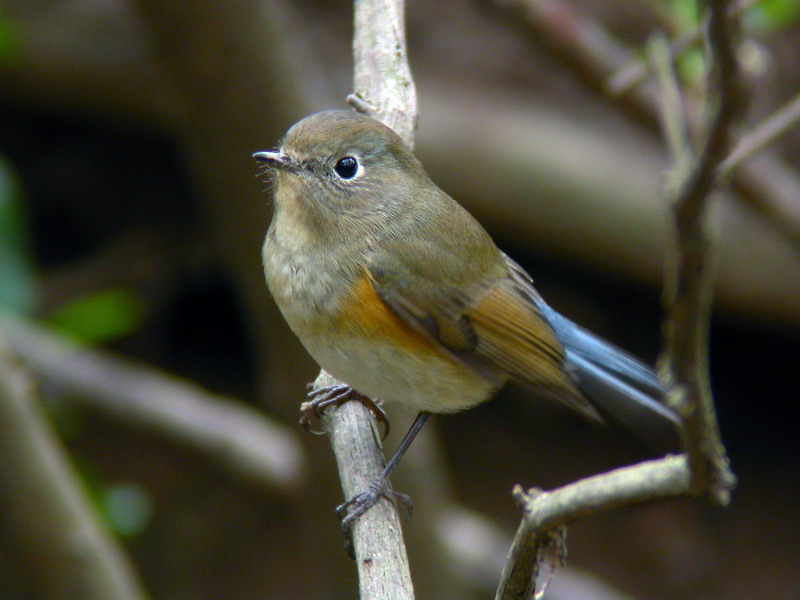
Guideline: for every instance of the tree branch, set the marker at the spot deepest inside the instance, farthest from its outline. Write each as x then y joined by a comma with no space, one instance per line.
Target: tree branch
544,512
690,278
384,89
43,500
597,58
377,535
689,289
238,438
382,75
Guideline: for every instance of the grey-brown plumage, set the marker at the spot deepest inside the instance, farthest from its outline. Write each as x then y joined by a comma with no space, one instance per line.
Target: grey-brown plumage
398,291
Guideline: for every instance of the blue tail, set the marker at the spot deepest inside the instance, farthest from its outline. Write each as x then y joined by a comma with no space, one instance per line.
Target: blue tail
622,388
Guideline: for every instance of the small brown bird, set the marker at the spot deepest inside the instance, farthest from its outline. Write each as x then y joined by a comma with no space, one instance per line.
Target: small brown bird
396,290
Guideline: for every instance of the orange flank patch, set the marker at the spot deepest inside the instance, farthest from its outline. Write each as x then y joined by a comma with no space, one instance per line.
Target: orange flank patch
368,316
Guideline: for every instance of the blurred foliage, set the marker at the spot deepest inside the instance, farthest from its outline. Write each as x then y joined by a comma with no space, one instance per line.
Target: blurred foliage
684,19
17,275
761,15
773,15
99,317
691,66
685,16
10,43
127,507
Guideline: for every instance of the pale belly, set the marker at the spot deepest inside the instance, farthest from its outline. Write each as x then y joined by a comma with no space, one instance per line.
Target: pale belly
310,288
420,382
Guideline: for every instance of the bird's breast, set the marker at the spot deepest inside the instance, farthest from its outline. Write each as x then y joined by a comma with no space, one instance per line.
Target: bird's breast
347,328
306,279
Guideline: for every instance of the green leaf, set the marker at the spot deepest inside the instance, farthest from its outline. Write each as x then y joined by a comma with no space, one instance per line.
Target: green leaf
128,508
10,42
99,317
17,275
773,15
691,66
685,16
125,508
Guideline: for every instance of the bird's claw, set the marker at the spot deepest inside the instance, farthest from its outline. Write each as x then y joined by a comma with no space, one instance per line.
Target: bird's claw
319,400
334,395
361,503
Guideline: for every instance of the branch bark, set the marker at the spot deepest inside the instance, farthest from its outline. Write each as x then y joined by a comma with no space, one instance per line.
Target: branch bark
544,512
236,437
690,275
46,506
377,535
385,90
602,63
689,290
382,75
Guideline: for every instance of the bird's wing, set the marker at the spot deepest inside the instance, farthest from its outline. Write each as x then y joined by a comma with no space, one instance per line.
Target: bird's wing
621,386
477,313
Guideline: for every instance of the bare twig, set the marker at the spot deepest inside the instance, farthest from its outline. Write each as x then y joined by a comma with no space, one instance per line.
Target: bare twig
377,536
231,434
595,56
766,134
544,512
42,499
688,294
689,281
385,90
673,116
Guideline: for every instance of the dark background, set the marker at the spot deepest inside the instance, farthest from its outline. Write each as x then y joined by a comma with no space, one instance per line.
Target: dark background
113,138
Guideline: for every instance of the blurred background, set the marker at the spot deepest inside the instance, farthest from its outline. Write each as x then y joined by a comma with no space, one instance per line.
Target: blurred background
131,221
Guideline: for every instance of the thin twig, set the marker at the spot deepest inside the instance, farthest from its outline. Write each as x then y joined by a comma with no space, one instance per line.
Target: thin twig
544,512
690,276
595,56
764,135
384,89
672,116
57,530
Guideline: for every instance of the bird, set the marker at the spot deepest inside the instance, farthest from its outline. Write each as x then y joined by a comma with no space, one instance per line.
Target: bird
397,291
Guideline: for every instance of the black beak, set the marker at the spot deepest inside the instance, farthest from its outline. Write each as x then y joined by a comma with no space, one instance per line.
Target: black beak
275,159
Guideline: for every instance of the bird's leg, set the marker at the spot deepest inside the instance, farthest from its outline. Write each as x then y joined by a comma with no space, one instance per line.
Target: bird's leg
361,503
334,395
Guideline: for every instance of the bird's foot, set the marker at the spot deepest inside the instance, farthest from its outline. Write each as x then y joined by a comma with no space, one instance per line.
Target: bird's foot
361,503
334,395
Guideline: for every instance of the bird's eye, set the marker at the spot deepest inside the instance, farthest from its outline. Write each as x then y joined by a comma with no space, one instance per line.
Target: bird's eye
347,167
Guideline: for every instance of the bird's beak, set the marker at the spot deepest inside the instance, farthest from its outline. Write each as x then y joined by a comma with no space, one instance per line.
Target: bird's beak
279,160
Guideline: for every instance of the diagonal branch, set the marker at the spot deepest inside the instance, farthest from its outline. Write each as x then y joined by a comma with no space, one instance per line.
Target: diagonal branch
50,513
764,135
544,512
599,59
234,436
